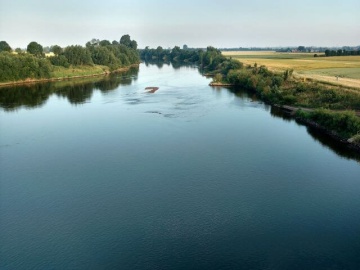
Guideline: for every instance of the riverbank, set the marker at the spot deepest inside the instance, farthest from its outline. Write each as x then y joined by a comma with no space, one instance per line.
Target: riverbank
71,74
349,143
221,84
299,114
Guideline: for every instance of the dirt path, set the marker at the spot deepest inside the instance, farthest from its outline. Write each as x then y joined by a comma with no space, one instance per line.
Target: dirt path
354,83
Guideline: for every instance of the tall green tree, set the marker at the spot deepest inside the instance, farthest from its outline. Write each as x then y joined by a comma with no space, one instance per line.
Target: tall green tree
104,43
4,47
126,40
35,48
133,45
77,55
56,49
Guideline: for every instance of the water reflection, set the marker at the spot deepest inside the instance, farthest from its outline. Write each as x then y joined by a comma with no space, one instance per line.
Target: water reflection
328,142
276,112
76,91
174,64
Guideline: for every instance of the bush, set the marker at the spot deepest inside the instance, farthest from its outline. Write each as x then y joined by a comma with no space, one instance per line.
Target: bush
59,60
346,124
23,66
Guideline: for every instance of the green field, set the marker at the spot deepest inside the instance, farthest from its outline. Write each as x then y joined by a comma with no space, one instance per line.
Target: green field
343,70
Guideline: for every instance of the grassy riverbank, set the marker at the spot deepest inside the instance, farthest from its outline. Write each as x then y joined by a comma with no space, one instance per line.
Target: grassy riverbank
331,107
62,73
96,58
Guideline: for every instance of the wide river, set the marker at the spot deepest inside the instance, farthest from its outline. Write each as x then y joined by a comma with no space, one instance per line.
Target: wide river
101,174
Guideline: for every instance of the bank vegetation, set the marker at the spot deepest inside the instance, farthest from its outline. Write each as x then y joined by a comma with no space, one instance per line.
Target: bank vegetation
97,57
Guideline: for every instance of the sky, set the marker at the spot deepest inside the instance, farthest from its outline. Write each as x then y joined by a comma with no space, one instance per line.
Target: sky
196,23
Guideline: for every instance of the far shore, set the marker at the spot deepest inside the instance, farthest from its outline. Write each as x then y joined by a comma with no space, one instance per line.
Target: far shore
221,84
31,81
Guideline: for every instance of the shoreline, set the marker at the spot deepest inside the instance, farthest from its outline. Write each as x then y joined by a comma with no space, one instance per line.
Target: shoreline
221,84
32,81
291,111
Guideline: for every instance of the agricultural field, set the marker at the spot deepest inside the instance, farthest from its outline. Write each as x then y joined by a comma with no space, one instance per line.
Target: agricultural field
338,70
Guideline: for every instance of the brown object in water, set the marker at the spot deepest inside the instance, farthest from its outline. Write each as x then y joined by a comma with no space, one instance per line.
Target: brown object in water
152,89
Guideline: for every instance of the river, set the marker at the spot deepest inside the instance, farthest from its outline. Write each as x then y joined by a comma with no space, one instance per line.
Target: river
102,174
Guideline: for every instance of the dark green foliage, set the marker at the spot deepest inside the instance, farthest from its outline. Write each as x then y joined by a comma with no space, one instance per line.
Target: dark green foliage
230,64
114,55
35,49
346,124
104,56
16,67
59,60
341,52
104,43
30,66
56,49
125,55
77,55
4,47
174,55
126,41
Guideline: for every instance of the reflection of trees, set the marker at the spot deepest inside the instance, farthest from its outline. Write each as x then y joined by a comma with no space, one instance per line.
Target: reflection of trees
279,113
319,136
28,96
114,80
76,94
158,63
332,144
175,64
76,91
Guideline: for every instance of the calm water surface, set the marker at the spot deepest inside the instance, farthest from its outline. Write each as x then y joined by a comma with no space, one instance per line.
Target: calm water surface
102,175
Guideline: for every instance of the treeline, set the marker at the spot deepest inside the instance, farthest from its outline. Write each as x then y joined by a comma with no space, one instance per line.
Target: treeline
35,65
341,52
209,60
23,66
175,54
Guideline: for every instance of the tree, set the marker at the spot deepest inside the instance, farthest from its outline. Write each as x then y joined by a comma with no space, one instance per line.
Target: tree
18,50
125,40
4,47
77,55
104,43
93,42
159,51
56,49
35,48
133,45
301,49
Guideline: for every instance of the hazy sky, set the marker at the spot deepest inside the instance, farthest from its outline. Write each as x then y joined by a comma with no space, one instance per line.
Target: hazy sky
197,23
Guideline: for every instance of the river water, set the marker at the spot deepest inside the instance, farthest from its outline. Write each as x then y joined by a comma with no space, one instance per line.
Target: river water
101,174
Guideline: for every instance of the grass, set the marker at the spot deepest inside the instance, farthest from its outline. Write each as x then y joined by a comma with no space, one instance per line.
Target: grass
61,72
353,73
305,65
